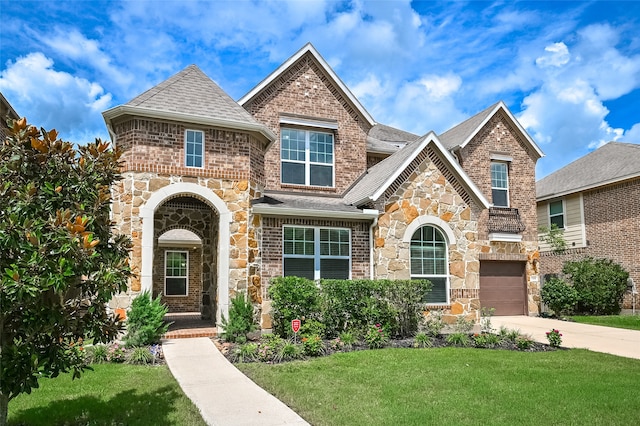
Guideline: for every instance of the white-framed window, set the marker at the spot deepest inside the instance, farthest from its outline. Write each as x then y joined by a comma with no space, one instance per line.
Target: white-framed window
429,260
307,157
500,184
556,214
315,253
176,276
194,148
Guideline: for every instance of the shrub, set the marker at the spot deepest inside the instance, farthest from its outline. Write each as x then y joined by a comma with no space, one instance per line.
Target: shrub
311,327
463,325
348,339
486,340
246,353
376,337
433,324
240,320
524,342
291,298
554,337
313,345
407,298
600,284
423,340
145,321
288,351
559,296
459,339
97,354
140,355
116,353
485,320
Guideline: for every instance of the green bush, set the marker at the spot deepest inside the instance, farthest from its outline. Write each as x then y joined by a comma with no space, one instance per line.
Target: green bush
407,300
559,296
433,324
459,339
291,298
600,284
311,327
145,321
97,354
376,337
240,320
140,355
313,345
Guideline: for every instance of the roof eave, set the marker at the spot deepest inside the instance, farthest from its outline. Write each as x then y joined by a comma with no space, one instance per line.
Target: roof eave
364,214
587,187
121,110
296,56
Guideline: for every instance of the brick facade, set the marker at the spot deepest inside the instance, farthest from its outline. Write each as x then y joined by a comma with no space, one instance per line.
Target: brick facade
612,227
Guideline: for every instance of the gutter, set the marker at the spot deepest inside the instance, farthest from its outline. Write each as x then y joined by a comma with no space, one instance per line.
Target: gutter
365,214
372,248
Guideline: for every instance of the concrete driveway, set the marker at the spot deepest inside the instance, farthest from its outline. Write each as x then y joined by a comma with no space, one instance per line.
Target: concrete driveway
596,338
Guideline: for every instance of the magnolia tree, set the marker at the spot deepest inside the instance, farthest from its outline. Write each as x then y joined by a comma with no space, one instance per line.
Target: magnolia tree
60,261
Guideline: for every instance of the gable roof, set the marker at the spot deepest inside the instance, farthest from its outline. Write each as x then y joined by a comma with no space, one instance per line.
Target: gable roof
379,177
611,163
308,49
383,139
459,136
7,109
190,96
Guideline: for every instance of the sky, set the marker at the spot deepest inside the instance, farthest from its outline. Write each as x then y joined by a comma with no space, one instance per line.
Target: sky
569,71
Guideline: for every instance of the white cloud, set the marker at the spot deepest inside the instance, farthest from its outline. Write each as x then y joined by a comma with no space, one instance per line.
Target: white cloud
440,87
632,135
55,99
558,55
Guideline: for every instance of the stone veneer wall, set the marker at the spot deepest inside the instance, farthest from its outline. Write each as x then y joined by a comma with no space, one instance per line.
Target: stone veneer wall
305,90
428,194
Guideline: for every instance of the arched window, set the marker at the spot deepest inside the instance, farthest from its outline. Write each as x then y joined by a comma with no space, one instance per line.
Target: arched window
429,261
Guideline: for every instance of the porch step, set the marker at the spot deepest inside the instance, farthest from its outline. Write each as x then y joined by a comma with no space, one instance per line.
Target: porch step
191,332
186,325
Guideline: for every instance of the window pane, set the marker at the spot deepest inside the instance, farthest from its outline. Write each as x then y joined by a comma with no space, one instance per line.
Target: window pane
499,175
298,241
499,197
334,269
293,173
321,175
557,220
555,207
299,268
438,293
292,145
176,287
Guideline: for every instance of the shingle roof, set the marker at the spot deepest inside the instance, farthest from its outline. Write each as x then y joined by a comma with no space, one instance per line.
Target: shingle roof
304,201
461,132
191,92
610,163
387,140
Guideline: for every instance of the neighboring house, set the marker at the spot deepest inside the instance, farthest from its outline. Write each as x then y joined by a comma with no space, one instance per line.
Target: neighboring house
297,178
596,201
6,112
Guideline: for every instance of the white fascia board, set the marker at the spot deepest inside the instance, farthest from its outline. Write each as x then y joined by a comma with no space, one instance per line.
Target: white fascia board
308,48
309,122
120,110
365,214
502,105
587,187
509,238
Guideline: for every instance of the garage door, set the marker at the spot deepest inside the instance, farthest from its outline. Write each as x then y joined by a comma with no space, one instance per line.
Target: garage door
503,287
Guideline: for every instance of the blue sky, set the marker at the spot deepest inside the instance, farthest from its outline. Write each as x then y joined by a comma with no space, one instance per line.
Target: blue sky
569,71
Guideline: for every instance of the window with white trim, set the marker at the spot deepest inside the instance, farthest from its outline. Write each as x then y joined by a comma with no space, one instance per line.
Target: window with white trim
194,148
556,214
500,184
176,277
306,157
429,261
316,253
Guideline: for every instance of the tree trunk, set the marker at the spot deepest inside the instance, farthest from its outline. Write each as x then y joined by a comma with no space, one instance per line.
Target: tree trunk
4,409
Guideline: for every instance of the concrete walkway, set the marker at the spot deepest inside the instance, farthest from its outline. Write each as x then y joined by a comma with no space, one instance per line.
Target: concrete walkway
596,338
223,394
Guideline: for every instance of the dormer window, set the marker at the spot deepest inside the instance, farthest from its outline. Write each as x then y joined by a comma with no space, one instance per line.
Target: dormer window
194,148
500,184
306,157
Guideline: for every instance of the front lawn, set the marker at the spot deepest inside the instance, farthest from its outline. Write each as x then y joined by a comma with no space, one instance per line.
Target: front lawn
113,394
631,322
461,386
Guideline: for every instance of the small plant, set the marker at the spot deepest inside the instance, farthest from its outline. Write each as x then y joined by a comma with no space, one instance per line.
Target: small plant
156,353
463,325
553,236
524,342
376,337
269,347
336,344
116,353
140,355
246,353
145,321
348,339
311,327
97,354
560,296
240,320
554,337
289,351
459,339
508,334
486,340
313,345
433,324
485,320
422,340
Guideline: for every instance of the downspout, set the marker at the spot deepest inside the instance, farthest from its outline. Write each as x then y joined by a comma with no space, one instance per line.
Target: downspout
371,247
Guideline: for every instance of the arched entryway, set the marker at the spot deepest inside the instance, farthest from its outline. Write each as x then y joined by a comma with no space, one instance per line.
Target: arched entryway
170,257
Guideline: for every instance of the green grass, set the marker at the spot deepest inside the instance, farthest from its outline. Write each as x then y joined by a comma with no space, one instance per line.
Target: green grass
631,322
113,394
457,386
